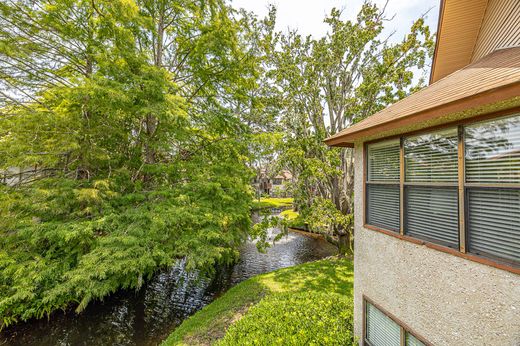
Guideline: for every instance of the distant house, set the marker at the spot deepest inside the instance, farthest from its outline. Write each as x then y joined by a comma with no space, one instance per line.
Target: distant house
274,185
437,188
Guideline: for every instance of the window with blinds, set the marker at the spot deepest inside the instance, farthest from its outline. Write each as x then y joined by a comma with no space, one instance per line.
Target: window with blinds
492,160
431,213
431,197
383,199
381,330
437,193
412,340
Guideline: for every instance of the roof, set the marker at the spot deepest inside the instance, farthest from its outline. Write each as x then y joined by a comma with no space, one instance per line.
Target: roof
284,174
492,79
457,32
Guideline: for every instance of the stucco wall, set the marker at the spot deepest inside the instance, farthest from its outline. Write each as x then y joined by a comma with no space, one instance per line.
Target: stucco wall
445,299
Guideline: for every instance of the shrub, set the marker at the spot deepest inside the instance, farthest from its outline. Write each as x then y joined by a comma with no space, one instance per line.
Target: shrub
306,318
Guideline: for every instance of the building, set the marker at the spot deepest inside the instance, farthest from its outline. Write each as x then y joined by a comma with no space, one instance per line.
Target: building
437,193
272,185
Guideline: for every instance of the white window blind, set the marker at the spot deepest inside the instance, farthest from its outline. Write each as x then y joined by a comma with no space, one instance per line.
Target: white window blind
383,161
493,151
492,159
431,199
432,214
382,199
432,157
383,206
494,222
412,340
381,329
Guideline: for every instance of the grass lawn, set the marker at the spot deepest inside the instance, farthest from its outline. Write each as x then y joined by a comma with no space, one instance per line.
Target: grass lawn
289,214
302,305
294,218
272,203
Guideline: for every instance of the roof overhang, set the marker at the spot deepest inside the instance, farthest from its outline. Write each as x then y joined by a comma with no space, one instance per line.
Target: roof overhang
457,32
492,80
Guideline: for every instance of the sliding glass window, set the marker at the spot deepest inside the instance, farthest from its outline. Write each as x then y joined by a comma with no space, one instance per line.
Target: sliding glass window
431,195
492,160
382,195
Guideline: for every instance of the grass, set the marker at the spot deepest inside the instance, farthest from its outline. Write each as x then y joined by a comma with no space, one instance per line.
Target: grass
289,214
272,202
294,218
285,307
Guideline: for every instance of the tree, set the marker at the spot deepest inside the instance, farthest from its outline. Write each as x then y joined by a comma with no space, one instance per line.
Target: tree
329,84
134,121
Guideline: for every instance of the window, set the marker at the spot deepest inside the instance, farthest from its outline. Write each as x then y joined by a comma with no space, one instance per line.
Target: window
412,340
459,188
383,197
492,159
382,330
431,195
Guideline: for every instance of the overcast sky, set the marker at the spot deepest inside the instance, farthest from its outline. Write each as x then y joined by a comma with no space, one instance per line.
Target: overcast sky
307,15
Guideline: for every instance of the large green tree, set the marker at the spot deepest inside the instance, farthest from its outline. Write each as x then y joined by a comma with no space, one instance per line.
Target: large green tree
328,84
125,131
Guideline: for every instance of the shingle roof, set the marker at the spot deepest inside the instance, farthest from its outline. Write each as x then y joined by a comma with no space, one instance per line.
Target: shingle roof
494,78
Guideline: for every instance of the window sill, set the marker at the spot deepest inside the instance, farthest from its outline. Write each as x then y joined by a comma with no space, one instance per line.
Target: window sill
471,257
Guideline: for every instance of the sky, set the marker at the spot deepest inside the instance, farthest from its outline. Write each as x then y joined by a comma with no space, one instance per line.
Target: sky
307,15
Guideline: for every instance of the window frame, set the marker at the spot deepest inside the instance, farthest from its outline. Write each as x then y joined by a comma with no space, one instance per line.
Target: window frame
428,184
461,186
404,328
368,182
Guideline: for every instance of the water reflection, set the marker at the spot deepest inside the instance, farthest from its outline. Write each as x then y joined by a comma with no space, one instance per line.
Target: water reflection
146,317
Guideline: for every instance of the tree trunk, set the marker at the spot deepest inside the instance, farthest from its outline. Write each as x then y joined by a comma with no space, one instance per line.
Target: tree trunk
343,244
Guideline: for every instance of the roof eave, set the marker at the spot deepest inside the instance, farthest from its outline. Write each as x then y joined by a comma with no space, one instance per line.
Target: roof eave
439,29
488,97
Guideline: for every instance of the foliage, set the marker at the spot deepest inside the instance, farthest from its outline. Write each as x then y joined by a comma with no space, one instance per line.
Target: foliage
328,84
308,318
294,220
324,217
272,202
56,256
289,214
133,121
269,295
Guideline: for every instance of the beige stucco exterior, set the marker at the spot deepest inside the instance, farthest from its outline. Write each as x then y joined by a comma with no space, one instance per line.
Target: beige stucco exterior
445,299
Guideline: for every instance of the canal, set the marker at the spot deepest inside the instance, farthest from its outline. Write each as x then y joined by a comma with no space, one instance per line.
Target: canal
147,316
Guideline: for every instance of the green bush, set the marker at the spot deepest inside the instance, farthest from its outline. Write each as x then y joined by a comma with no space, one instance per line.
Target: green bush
65,243
305,318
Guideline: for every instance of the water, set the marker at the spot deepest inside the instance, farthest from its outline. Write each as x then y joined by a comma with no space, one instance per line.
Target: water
147,316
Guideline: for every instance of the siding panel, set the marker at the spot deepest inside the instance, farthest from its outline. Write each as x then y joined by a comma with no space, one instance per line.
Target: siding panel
500,28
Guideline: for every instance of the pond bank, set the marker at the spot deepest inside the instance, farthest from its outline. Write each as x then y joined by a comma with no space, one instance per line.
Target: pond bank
313,300
272,202
148,316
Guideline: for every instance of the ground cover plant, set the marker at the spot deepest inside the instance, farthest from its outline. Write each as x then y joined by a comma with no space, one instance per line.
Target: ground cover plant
301,305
